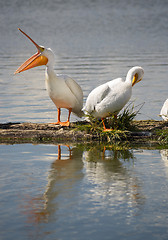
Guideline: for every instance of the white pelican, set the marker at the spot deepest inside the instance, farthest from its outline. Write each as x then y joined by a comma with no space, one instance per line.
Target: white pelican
164,111
63,90
112,96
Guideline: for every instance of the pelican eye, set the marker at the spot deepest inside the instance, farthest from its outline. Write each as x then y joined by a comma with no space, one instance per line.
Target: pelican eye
42,49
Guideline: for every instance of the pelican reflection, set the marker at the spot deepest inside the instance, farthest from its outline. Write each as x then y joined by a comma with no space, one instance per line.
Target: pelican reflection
64,173
164,156
110,172
95,177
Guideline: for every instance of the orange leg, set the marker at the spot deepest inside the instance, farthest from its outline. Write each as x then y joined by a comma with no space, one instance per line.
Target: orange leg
104,149
59,151
59,113
67,123
70,151
105,129
108,129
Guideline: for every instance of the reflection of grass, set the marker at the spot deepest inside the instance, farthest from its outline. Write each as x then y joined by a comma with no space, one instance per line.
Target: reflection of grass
108,146
96,152
119,127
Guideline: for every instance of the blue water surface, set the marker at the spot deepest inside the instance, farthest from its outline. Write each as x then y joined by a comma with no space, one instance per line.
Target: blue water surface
61,192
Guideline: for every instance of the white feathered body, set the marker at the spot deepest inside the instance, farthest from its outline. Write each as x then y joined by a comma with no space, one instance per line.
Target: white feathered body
64,92
110,97
164,111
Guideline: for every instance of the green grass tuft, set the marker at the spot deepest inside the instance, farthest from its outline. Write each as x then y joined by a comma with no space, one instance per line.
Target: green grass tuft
162,135
119,127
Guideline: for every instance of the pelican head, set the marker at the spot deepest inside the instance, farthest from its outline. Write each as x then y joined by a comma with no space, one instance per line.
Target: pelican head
135,74
44,56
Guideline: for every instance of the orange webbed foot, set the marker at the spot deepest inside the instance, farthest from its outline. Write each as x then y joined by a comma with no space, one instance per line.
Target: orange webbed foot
64,124
107,130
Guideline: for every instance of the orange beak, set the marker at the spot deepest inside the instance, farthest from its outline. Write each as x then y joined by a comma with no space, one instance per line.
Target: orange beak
36,60
135,78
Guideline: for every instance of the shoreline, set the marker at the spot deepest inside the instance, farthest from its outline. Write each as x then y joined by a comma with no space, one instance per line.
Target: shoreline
147,132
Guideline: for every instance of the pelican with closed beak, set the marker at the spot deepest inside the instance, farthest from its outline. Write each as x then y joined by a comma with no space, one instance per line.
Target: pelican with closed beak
111,97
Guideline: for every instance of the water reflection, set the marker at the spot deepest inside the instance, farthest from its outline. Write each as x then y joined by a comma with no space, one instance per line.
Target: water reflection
164,156
110,171
65,171
82,182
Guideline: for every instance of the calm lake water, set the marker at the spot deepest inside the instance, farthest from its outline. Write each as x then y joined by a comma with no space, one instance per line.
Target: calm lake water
94,42
91,194
83,193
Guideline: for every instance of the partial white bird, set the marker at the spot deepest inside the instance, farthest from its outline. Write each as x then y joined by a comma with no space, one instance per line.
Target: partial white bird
63,90
164,111
111,97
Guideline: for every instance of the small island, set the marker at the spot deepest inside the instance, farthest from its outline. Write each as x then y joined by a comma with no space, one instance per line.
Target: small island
141,132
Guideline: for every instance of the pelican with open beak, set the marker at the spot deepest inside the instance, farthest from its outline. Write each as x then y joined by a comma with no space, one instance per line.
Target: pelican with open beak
63,90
